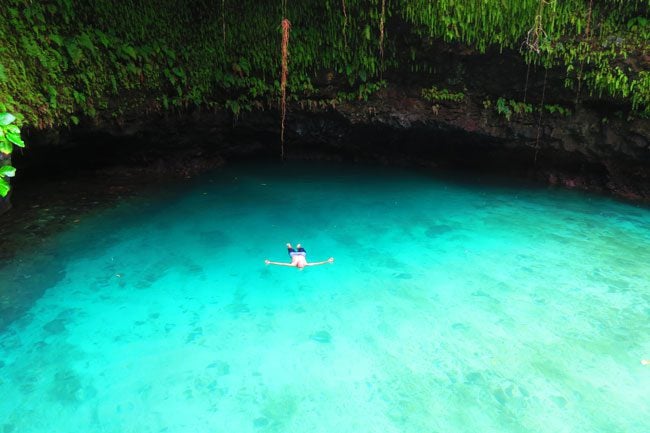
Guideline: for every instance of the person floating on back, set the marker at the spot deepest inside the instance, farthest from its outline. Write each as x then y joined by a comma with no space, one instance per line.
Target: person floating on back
298,258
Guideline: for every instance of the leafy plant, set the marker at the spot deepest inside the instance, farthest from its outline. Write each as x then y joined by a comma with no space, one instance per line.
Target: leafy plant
362,93
433,94
5,172
554,108
367,89
9,137
509,107
520,107
503,109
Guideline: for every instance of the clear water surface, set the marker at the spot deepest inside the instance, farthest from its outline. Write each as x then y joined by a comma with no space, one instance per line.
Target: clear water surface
451,307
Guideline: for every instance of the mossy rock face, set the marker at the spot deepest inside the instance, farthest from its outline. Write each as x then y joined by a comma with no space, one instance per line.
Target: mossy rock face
61,68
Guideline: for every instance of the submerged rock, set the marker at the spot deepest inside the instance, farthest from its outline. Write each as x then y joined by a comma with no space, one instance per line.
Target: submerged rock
321,337
56,326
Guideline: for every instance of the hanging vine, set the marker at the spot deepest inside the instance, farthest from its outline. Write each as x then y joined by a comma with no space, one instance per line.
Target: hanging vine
535,37
582,59
286,26
382,21
223,23
526,84
345,25
541,112
537,34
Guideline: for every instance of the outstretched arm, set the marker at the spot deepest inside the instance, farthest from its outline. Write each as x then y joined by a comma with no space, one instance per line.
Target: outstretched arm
330,260
268,262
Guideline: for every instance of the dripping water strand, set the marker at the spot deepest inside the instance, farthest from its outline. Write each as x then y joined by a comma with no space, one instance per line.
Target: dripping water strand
526,85
382,20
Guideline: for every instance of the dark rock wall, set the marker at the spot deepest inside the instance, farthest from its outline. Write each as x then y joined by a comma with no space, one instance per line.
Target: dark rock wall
586,149
395,127
5,204
599,146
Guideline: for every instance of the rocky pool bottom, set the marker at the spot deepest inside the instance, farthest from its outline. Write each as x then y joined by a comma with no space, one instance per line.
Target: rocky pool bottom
452,306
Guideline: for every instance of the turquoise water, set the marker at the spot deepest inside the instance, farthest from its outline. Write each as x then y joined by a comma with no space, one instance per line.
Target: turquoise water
451,307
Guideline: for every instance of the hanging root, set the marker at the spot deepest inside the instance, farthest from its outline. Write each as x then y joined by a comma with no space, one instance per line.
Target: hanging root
223,23
589,13
536,34
345,24
286,25
382,20
526,85
541,112
582,61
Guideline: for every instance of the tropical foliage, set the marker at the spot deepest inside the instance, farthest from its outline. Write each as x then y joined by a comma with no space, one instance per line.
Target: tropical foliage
9,137
64,60
433,94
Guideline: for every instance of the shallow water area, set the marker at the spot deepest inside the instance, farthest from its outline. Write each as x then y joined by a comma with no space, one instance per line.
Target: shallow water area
451,307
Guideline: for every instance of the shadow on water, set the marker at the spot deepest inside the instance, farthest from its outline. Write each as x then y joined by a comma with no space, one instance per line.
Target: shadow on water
34,255
24,280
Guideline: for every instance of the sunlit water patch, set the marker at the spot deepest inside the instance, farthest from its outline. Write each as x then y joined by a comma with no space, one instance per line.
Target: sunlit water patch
449,308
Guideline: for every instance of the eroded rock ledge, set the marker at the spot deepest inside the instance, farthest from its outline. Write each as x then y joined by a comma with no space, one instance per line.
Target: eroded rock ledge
396,126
